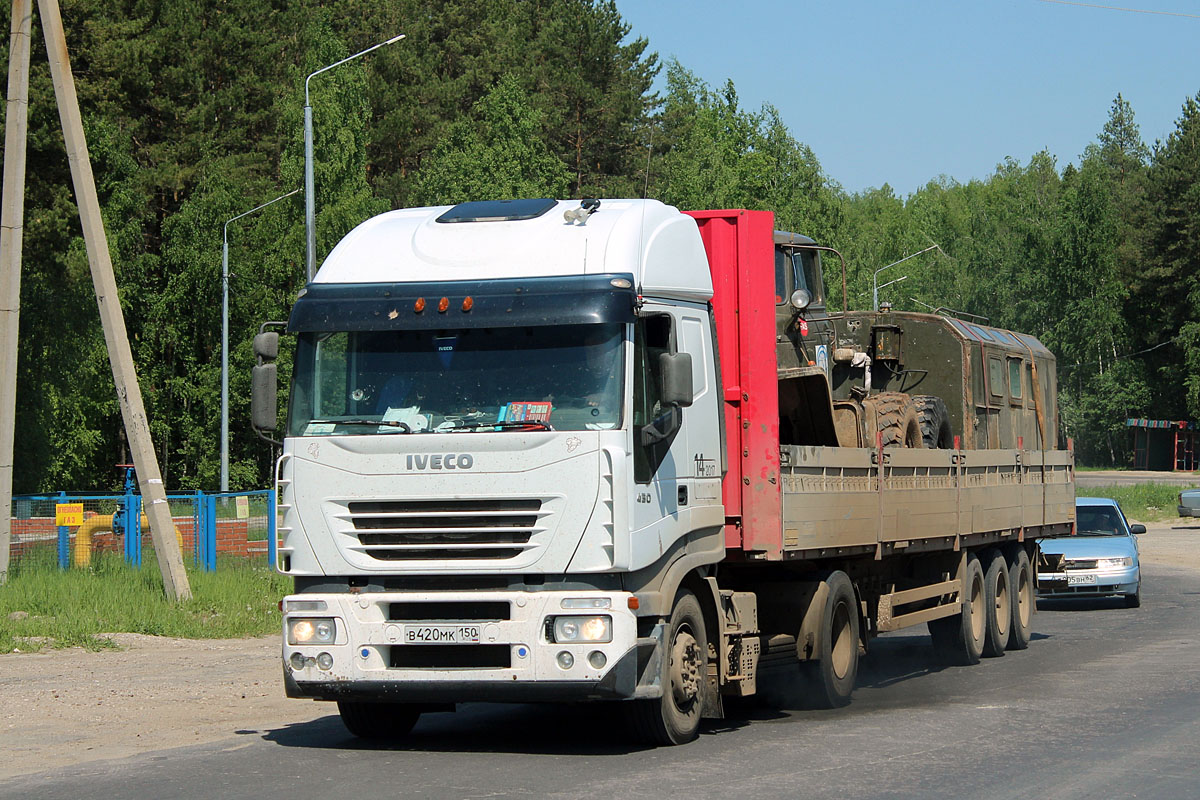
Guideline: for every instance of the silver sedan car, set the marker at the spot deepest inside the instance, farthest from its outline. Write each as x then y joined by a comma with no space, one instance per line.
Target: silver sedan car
1189,503
1100,560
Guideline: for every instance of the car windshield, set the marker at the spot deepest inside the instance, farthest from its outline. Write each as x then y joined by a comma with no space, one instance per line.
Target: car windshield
1099,521
563,377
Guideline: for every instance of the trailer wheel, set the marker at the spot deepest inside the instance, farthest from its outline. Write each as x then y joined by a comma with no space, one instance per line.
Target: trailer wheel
377,720
833,669
896,420
1021,588
674,718
934,419
998,601
958,639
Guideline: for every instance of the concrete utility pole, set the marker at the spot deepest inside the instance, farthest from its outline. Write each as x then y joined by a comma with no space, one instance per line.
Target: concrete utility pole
129,394
11,228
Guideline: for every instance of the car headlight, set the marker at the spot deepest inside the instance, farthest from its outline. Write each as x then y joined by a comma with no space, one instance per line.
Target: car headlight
1113,563
310,631
582,629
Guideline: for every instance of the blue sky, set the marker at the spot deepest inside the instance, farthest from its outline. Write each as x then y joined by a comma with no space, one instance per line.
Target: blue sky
902,91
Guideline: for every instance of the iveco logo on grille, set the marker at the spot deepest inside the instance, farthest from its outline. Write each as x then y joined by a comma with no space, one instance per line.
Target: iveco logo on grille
441,461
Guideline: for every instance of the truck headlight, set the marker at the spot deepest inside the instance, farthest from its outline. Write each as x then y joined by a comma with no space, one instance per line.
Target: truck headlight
1113,563
310,631
582,629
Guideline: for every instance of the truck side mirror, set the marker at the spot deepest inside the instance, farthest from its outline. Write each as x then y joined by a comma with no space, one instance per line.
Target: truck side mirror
266,345
264,405
676,371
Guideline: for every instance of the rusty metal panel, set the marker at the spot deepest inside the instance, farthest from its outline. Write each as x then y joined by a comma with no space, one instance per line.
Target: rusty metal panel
741,255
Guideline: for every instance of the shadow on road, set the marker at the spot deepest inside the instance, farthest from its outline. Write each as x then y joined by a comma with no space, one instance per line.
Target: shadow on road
585,729
1080,604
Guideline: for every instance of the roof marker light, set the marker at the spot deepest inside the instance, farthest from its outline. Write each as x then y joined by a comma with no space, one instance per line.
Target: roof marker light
468,304
620,283
443,304
419,306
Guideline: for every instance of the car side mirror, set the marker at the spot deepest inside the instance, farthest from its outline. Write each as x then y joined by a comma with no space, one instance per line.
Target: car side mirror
676,371
1137,527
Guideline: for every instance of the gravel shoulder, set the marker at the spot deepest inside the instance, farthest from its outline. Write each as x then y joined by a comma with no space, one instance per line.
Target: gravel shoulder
67,707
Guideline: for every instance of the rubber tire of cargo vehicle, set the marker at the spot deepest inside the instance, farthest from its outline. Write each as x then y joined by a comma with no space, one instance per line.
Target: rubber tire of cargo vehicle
1022,589
934,419
377,720
998,601
896,420
958,639
674,718
1134,600
832,672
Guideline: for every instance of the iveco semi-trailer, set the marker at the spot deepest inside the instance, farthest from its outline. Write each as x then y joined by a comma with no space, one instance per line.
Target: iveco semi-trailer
540,450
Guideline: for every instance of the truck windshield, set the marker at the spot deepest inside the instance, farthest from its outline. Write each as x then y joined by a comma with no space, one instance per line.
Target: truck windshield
393,382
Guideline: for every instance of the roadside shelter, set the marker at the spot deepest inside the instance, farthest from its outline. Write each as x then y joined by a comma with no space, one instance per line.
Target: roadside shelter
1160,444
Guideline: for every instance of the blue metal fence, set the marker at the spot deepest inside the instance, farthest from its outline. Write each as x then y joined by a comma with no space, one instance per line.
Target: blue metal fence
241,523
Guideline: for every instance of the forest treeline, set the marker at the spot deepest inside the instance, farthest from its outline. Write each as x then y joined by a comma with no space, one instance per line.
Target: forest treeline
193,111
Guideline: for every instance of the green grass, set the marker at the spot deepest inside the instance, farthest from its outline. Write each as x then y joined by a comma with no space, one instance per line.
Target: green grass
1145,502
43,606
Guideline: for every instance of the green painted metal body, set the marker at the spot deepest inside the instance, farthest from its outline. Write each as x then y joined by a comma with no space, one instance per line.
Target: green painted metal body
999,386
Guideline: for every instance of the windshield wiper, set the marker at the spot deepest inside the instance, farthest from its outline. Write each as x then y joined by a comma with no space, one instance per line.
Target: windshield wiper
391,423
508,424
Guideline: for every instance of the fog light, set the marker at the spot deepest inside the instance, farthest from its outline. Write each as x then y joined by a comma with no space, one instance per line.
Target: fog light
324,660
566,660
297,661
597,659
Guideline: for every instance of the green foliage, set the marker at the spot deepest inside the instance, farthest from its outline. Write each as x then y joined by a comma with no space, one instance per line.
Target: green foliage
193,111
42,605
1143,502
495,154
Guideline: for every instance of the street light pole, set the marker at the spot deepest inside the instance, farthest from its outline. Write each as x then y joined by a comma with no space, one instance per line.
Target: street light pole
875,287
310,228
225,337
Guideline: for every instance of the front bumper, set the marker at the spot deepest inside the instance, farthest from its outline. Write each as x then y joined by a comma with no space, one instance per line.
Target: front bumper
512,661
1098,583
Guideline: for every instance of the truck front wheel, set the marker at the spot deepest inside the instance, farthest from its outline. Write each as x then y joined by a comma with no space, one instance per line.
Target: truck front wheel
377,720
674,718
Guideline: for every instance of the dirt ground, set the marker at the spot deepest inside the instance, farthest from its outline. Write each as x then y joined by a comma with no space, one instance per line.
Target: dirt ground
70,706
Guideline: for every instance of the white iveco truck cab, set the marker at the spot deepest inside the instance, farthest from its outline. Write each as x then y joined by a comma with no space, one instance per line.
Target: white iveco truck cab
501,474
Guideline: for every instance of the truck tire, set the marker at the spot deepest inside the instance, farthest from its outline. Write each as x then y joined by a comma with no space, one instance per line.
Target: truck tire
832,671
377,720
958,639
997,598
896,420
1024,603
674,718
934,419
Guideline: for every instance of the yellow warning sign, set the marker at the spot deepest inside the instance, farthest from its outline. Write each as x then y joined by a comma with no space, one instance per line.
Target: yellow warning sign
68,513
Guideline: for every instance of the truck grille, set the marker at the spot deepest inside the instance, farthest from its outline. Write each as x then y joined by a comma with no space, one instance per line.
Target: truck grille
424,530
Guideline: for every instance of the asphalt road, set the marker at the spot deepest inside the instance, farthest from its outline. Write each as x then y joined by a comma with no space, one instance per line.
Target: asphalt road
1106,702
1118,477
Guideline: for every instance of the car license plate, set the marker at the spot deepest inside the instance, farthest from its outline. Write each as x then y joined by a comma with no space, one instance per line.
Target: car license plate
441,634
1080,580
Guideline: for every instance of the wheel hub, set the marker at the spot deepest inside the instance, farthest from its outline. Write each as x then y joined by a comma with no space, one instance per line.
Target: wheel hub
685,668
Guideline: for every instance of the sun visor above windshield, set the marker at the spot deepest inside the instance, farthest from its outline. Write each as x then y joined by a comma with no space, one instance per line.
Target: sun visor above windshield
464,304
